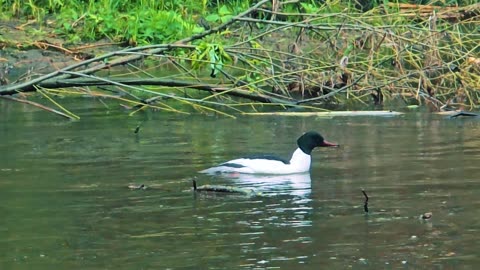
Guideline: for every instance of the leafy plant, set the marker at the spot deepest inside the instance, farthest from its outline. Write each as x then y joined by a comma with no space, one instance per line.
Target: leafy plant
211,54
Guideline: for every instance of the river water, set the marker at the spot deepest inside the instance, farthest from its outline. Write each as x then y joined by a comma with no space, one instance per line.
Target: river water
65,201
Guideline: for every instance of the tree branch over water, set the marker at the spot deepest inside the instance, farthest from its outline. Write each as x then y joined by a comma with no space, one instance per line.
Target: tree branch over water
92,81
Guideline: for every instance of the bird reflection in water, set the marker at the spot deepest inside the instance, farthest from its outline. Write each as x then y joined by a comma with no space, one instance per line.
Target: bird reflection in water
291,184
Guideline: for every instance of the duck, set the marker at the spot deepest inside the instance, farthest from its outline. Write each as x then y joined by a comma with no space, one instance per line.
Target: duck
300,161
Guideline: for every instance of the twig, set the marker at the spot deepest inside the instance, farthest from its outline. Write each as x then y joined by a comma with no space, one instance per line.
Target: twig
194,184
38,105
463,114
45,45
137,129
57,104
365,205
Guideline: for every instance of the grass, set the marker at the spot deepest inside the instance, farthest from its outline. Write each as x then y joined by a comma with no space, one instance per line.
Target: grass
135,21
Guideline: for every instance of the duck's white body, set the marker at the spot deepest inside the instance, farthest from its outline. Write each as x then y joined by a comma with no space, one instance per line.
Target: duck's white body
299,163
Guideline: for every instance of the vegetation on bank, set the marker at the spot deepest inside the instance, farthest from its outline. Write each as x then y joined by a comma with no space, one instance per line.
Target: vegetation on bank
311,54
137,22
149,21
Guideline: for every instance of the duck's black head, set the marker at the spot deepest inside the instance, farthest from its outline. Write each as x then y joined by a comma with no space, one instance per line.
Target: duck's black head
308,141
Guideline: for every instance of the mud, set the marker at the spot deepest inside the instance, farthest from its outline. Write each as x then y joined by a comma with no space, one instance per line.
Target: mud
28,50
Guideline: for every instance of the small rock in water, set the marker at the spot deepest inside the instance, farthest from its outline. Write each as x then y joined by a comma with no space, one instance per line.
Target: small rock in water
142,186
426,216
450,254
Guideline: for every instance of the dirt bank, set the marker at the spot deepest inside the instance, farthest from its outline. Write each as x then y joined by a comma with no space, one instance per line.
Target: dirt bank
28,49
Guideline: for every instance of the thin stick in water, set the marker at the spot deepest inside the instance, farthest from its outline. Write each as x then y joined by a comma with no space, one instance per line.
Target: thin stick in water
137,129
365,205
194,184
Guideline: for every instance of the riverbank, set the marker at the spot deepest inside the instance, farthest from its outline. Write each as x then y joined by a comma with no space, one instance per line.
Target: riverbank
29,49
319,60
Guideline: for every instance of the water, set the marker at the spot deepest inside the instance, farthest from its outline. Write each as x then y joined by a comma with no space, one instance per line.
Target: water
64,201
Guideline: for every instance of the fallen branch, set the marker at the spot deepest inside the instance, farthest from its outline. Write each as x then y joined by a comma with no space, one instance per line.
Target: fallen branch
38,105
78,82
223,189
462,113
331,114
365,204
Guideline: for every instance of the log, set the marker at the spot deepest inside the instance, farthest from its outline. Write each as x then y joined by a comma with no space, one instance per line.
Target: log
455,114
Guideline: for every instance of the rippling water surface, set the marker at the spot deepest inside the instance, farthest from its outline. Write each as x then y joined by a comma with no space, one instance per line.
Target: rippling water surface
65,202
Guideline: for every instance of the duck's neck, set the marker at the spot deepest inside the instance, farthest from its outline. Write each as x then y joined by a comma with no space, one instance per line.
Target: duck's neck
301,161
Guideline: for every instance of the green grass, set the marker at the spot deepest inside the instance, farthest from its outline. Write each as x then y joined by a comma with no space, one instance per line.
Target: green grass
153,21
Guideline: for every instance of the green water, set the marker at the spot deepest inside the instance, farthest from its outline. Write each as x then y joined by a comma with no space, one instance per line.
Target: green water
65,204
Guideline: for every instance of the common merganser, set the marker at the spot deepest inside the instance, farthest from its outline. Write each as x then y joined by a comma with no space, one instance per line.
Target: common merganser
267,164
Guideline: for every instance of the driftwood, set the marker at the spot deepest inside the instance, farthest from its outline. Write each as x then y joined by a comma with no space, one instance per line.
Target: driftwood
464,114
223,189
455,114
331,114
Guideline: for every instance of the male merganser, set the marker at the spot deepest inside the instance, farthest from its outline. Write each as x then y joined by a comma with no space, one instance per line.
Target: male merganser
267,164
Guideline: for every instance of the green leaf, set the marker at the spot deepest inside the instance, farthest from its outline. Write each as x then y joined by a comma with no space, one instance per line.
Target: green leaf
309,8
212,18
226,18
67,26
216,63
224,11
348,50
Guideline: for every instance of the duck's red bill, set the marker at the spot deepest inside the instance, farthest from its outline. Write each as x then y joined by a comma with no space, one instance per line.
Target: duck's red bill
329,144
